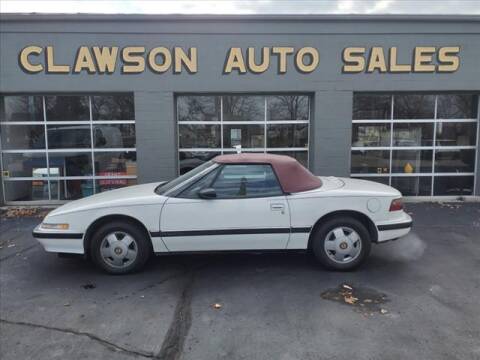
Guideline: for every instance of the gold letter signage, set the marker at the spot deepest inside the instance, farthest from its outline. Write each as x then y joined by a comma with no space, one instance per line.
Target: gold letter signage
34,59
306,59
425,59
104,60
25,61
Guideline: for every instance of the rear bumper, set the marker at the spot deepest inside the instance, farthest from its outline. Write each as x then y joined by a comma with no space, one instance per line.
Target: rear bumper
394,230
59,241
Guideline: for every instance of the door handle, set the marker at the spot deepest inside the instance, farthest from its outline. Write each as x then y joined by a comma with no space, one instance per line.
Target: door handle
278,207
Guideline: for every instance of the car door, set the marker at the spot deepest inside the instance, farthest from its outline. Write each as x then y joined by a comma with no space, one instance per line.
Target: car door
249,212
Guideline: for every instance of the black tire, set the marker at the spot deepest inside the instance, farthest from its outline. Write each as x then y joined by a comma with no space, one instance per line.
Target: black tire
142,246
320,237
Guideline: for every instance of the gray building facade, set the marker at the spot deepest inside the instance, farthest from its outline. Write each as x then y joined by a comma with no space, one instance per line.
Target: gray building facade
95,102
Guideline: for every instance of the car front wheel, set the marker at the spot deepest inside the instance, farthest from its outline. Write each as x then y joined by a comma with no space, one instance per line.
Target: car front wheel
120,248
341,243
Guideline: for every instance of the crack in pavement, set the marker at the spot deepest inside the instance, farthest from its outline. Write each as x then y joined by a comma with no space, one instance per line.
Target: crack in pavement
172,346
107,344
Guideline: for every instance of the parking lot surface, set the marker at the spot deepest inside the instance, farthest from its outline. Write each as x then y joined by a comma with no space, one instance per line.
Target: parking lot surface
415,298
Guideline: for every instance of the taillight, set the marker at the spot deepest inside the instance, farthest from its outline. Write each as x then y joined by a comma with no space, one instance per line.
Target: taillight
396,205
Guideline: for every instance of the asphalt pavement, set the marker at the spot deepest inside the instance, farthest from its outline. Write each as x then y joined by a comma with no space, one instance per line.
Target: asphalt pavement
415,298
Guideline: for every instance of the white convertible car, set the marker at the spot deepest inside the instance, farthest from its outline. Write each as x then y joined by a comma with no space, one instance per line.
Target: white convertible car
233,202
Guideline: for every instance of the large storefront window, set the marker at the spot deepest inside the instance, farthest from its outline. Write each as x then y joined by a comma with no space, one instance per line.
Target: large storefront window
63,147
421,144
209,125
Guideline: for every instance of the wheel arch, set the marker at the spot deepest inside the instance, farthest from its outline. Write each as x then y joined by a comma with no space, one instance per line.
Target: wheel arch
364,219
109,218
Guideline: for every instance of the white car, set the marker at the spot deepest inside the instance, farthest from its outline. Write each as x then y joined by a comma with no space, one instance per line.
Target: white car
233,202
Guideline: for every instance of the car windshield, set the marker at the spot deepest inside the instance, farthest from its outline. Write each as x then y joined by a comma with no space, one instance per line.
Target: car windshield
164,188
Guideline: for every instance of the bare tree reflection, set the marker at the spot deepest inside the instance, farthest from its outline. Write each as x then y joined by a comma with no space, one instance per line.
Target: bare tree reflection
243,108
414,106
66,107
288,107
113,107
198,108
372,106
457,106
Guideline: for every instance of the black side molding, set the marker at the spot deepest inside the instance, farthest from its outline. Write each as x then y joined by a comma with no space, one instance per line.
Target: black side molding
300,230
43,235
230,232
395,226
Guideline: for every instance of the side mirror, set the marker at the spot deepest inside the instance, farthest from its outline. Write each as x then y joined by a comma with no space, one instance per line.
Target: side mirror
207,193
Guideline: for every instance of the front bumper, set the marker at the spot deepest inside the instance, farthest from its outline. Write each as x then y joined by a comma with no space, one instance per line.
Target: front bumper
393,230
59,241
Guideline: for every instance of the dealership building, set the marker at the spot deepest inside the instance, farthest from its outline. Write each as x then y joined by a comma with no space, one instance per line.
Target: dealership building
90,103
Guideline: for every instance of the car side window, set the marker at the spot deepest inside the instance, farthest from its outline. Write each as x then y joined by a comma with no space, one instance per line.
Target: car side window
191,192
246,181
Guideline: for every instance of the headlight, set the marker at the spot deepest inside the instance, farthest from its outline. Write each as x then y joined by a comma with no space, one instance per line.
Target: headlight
54,226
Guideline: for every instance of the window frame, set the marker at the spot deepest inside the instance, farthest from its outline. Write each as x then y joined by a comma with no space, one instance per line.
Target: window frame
90,151
435,121
265,122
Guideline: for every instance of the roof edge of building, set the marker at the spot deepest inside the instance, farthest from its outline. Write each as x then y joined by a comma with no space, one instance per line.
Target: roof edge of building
13,17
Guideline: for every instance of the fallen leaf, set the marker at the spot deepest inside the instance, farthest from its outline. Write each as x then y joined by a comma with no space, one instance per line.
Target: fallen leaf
217,306
350,299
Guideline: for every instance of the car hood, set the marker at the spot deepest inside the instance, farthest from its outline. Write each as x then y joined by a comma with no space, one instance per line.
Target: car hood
128,196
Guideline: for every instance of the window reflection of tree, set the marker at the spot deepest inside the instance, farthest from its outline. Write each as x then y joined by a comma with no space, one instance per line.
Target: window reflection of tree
113,107
414,106
202,136
36,138
199,108
457,106
64,108
237,108
288,107
371,106
288,135
22,108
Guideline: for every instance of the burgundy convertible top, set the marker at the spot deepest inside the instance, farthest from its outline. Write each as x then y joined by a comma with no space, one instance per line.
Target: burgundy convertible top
292,175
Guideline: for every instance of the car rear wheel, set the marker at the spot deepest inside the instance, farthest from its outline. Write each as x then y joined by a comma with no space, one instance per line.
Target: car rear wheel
120,248
341,243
